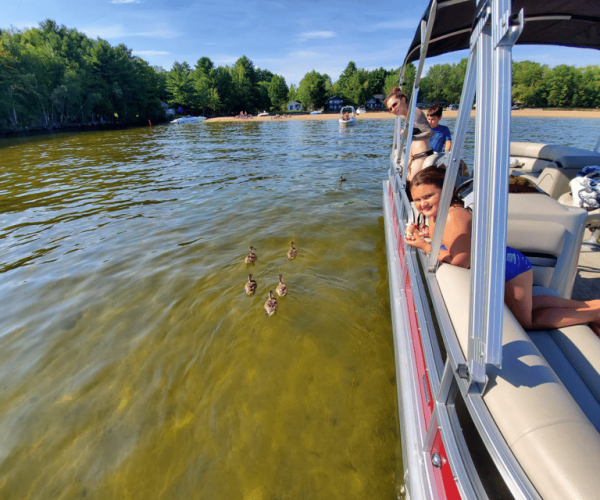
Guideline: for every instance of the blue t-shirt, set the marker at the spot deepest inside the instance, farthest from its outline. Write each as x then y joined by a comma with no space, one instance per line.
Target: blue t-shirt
441,134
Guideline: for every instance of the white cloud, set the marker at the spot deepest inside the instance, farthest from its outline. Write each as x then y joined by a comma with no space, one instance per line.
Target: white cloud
118,31
312,35
150,52
226,60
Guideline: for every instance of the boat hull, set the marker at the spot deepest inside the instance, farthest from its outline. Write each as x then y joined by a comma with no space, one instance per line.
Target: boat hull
187,120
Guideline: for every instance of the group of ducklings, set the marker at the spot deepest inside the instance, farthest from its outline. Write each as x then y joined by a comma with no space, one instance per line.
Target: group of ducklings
281,289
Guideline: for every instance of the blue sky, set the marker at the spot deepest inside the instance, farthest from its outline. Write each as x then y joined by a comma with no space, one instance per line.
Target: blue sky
287,37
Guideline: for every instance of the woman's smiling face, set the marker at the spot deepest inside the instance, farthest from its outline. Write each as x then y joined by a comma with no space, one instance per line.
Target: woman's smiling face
427,199
397,106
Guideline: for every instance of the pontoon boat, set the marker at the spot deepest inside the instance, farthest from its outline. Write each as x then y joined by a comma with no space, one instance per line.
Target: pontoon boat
487,409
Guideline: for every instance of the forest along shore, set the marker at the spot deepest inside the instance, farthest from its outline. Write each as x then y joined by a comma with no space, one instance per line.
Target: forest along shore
530,112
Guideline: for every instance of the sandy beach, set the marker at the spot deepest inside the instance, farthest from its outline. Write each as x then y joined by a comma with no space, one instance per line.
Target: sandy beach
379,115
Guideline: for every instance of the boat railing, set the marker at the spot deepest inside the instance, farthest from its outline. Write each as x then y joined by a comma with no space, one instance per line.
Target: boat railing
445,361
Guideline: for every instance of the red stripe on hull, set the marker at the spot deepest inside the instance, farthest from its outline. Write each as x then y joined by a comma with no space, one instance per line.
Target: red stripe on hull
444,479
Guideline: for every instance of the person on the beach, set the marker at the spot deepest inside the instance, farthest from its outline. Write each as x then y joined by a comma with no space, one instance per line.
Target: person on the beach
532,312
397,103
441,140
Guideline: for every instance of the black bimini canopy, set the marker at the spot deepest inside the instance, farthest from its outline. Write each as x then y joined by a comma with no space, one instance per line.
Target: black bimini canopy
571,23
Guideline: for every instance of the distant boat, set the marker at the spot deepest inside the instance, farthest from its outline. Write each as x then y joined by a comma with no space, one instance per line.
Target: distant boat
316,112
188,119
264,113
347,116
361,111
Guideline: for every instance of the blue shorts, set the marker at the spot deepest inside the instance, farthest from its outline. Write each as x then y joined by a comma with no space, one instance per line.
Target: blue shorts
516,264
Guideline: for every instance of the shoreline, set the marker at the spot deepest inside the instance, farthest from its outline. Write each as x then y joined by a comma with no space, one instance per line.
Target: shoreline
383,115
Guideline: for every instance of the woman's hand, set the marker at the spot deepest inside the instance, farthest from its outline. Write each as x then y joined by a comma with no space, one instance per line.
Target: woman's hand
423,230
413,237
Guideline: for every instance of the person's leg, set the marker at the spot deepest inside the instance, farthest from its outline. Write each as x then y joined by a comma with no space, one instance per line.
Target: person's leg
550,312
518,298
543,301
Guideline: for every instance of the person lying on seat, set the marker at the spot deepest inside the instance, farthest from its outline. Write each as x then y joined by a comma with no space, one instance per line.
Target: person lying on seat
540,312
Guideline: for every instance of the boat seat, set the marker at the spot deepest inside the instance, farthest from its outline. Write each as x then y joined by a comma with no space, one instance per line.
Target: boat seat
593,217
549,235
545,425
551,167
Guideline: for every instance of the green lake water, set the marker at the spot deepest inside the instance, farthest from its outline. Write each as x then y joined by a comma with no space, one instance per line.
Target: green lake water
132,363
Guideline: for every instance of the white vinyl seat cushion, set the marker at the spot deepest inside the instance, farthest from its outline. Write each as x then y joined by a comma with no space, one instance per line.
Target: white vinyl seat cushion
548,432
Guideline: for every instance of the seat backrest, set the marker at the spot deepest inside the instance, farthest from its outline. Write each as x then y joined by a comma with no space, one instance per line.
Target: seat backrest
550,166
550,235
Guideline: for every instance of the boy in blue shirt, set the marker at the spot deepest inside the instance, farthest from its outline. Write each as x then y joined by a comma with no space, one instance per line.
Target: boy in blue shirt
441,140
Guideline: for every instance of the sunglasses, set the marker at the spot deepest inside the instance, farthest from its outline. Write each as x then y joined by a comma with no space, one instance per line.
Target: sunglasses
394,106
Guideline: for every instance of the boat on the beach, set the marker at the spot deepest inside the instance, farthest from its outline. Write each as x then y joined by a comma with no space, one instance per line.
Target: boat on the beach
361,110
316,112
487,409
264,113
347,116
184,120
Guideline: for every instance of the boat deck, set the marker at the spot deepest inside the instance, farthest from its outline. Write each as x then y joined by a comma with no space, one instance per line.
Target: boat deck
587,281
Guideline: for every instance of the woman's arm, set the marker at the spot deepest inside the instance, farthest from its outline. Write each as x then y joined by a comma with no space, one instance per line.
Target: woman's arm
457,238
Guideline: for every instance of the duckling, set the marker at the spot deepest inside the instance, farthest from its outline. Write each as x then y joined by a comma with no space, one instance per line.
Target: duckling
342,179
271,304
292,252
282,287
251,259
250,285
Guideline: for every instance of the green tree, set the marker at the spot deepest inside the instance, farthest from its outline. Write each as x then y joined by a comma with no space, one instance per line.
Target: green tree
224,87
278,92
456,79
245,85
180,86
358,90
529,88
562,83
292,93
377,80
312,91
588,93
434,84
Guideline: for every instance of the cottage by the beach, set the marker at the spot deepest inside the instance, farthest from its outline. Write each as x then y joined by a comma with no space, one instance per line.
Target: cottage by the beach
294,106
376,102
168,111
334,103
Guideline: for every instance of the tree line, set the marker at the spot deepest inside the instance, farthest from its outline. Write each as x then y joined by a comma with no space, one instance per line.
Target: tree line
52,76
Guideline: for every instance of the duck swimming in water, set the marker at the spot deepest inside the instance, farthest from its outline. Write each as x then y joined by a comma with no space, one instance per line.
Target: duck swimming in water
271,304
250,285
251,259
292,252
342,179
282,287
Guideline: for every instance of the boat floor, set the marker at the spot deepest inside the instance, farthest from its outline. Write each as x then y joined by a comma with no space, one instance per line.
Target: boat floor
587,281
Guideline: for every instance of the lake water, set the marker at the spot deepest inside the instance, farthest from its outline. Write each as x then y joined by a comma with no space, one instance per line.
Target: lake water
132,363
